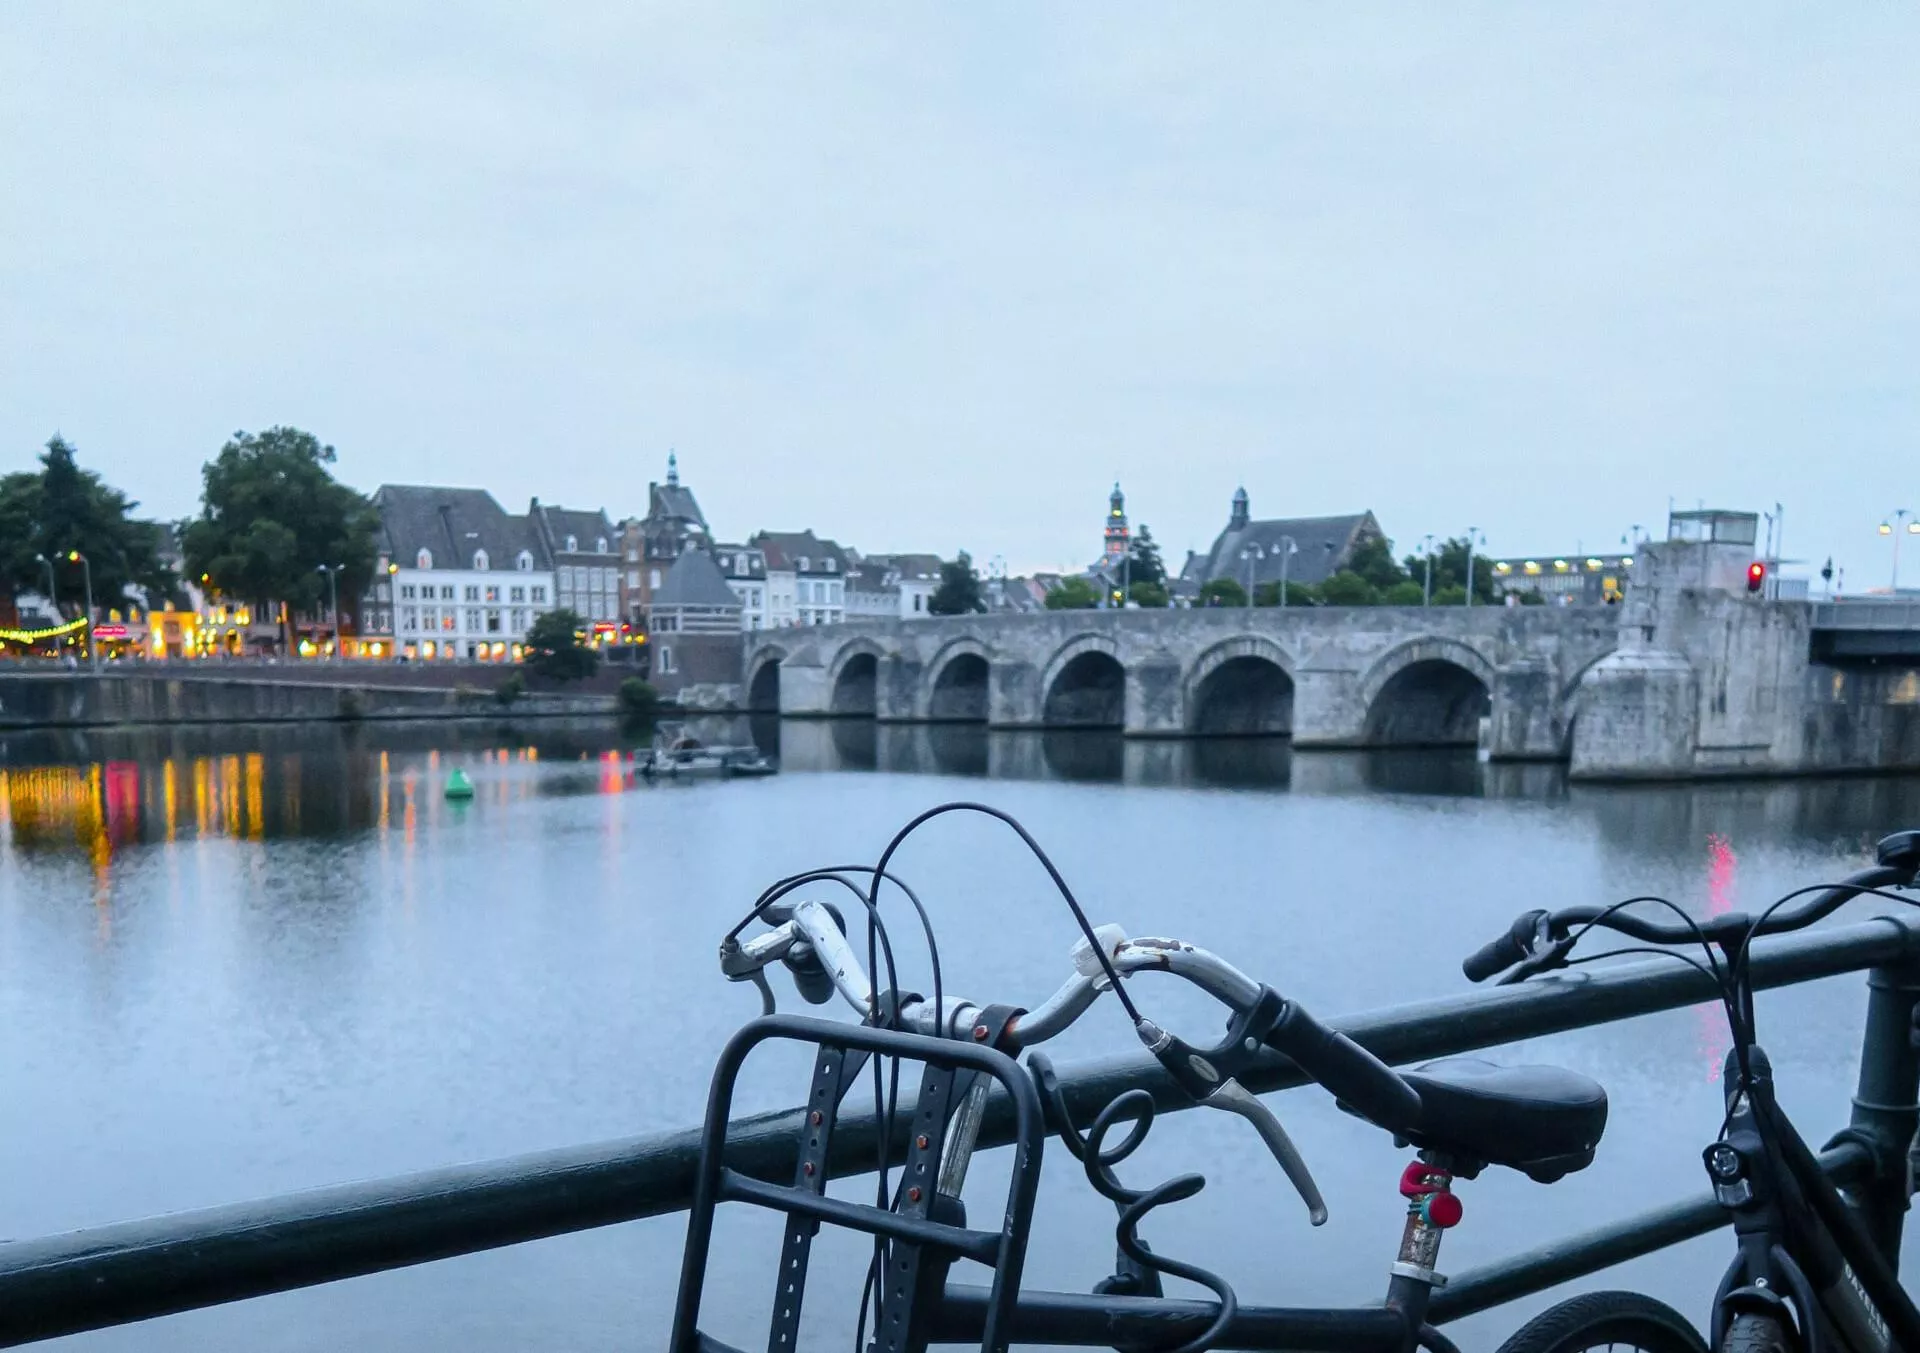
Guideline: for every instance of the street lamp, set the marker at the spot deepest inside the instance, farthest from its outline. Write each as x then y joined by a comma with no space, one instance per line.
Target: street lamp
1286,555
53,598
1251,553
1426,586
1473,533
1891,527
333,603
86,572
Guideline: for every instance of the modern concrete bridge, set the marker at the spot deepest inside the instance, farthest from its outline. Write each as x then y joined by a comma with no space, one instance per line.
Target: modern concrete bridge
1330,677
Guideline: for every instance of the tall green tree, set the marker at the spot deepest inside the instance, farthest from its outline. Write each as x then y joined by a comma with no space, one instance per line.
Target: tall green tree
272,515
1373,562
1450,575
1143,560
60,509
1073,594
557,646
959,590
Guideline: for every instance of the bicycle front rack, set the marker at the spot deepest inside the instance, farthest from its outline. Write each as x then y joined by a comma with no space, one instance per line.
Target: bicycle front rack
928,1230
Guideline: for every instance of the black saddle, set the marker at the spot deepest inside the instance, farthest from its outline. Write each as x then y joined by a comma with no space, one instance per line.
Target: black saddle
1543,1121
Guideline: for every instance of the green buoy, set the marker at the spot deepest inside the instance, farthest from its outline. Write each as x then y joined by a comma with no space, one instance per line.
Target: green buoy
459,786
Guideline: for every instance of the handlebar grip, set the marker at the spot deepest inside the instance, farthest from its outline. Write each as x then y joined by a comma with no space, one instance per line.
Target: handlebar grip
1501,954
1365,1083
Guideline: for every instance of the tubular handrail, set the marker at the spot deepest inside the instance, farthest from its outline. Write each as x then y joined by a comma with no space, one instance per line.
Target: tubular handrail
128,1271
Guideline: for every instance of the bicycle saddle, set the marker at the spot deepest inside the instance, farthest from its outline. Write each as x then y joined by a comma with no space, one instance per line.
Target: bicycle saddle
1543,1121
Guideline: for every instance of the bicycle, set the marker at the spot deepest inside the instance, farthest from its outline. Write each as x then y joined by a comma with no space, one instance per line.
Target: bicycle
1808,1273
1461,1115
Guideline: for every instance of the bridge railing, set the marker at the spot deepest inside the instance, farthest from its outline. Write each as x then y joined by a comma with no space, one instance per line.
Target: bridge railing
131,1271
1866,615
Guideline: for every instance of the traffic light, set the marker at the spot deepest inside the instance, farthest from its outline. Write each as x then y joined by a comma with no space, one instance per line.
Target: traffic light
1756,576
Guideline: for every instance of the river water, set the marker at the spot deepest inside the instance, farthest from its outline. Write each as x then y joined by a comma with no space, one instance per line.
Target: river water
241,961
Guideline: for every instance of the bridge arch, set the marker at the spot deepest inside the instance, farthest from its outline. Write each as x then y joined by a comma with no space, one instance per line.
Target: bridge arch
1427,692
957,688
853,679
763,679
1239,687
1084,685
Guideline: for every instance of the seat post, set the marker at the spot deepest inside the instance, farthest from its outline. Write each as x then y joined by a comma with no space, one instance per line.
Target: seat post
1432,1210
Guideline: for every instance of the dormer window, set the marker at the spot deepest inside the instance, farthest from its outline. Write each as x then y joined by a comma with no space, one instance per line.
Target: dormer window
573,544
600,545
479,561
829,563
423,560
524,562
802,561
740,565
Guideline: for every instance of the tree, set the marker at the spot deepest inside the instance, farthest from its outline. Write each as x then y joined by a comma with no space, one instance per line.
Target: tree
1298,594
1405,593
1073,594
557,647
1450,574
61,509
1347,588
271,515
1222,592
1143,562
1373,563
959,590
1150,596
1453,594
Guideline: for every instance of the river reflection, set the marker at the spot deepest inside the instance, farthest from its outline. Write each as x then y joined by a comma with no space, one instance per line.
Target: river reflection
236,961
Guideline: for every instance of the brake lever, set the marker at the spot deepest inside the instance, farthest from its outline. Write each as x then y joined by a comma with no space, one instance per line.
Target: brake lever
1553,957
1208,1077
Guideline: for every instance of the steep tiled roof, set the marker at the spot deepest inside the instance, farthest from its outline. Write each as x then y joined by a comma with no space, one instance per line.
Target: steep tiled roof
1321,545
555,524
451,524
694,580
785,550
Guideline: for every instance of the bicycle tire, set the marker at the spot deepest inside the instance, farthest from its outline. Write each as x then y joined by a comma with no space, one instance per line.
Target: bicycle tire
1757,1334
1608,1320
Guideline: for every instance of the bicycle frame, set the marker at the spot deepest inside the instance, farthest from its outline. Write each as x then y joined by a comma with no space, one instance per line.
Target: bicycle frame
1803,1254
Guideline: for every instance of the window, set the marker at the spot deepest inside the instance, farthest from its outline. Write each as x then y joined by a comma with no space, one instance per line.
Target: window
448,620
573,544
383,592
519,622
916,601
409,619
516,594
424,559
538,594
633,577
802,562
524,562
446,594
493,594
830,563
406,591
473,620
741,566
479,561
600,545
655,583
493,622
473,592
581,578
666,660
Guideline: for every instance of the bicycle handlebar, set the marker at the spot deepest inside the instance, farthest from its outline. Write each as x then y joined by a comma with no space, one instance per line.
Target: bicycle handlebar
1538,940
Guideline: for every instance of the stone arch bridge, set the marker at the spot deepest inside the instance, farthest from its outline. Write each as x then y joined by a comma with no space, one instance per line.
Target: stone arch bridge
1350,676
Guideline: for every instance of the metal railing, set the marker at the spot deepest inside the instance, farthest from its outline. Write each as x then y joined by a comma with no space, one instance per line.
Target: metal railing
118,1274
1866,614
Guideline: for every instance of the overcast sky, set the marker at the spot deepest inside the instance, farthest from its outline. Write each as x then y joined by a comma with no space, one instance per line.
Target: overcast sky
933,276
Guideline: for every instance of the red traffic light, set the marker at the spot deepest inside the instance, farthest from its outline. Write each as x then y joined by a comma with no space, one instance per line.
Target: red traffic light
1756,576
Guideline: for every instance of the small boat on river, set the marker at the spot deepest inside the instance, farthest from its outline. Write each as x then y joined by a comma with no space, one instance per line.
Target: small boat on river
675,753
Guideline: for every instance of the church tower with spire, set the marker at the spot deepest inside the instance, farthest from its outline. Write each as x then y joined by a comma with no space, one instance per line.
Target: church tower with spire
1117,536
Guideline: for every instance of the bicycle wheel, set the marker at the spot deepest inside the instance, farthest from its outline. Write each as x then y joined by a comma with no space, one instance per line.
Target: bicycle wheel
1757,1334
1601,1321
